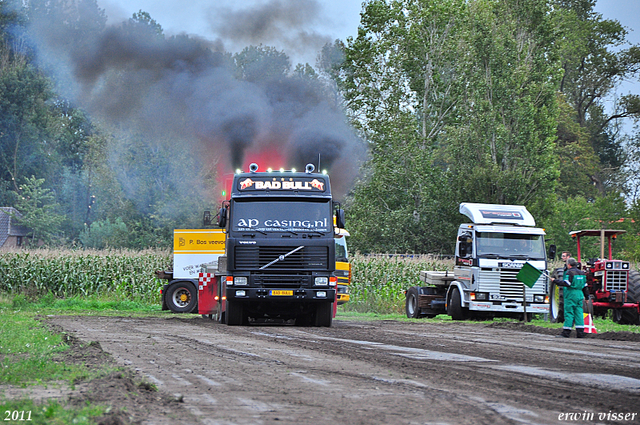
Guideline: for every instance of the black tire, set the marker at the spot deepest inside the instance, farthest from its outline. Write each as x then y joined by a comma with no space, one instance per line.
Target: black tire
556,300
182,297
616,315
456,311
235,313
305,320
411,303
630,316
633,290
324,315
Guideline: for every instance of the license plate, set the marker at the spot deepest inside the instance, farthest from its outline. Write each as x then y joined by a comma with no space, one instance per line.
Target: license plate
510,265
277,293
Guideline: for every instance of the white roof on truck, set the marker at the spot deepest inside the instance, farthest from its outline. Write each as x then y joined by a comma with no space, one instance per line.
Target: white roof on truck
494,214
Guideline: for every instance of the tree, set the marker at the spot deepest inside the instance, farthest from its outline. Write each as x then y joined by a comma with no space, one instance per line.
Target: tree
25,120
501,147
458,93
261,64
39,210
595,60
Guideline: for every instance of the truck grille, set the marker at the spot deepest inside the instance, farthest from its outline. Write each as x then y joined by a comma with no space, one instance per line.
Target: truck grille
281,280
616,280
308,258
504,282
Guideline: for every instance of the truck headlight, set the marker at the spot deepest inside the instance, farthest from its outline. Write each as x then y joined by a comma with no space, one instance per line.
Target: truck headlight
321,281
240,280
241,293
538,298
321,294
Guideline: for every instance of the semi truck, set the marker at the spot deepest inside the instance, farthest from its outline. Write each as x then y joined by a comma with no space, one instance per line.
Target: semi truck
489,253
273,258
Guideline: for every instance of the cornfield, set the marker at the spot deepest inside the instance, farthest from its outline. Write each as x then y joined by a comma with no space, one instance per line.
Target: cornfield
64,273
378,282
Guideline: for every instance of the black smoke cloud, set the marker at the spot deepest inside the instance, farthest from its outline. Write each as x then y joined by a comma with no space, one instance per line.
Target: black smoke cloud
187,89
281,22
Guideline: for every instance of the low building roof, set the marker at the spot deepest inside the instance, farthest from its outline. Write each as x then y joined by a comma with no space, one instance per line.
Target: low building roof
8,224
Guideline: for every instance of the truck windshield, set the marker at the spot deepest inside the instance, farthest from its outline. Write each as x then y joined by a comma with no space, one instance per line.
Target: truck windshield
510,245
341,249
281,216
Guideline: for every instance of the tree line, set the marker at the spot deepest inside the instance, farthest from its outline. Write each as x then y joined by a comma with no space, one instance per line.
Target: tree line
112,136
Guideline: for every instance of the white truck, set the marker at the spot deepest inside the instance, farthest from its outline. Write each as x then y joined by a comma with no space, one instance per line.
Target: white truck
490,251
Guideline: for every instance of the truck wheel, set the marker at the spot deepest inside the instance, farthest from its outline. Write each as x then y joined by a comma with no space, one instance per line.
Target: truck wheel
556,300
411,303
456,311
234,313
324,314
181,297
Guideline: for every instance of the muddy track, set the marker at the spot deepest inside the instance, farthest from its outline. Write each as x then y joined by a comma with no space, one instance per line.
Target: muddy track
382,372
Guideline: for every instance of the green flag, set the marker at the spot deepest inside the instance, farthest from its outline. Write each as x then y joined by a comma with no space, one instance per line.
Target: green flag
528,275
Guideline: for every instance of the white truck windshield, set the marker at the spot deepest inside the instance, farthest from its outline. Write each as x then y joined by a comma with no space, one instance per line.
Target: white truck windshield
514,245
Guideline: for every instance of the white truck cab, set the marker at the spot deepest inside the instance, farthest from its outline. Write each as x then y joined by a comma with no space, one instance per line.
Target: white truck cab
490,251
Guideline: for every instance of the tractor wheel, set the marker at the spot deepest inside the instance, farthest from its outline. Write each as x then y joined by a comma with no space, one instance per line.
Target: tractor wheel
616,315
411,303
182,297
456,311
629,316
556,300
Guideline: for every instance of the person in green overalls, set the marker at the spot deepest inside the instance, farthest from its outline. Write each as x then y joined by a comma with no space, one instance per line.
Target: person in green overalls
573,281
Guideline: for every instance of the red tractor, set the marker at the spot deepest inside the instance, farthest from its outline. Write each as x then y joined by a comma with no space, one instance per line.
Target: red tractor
611,284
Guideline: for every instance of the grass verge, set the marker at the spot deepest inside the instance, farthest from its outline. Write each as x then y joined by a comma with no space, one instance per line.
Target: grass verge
35,358
602,325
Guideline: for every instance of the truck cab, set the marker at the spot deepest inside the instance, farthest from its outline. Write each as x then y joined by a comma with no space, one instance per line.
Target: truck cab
280,249
343,266
490,251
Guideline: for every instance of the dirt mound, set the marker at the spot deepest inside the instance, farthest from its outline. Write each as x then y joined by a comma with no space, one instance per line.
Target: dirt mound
130,401
523,327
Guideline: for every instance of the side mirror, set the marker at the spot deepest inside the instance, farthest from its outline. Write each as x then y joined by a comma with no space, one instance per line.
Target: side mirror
552,251
340,218
222,217
206,218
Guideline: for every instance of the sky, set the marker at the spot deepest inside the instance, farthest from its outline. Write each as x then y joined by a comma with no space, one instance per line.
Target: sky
300,34
331,19
299,27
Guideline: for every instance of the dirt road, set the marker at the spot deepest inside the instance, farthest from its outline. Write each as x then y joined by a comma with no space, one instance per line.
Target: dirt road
382,372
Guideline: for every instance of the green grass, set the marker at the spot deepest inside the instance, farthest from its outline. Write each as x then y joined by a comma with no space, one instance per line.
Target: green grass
50,413
29,355
95,304
602,325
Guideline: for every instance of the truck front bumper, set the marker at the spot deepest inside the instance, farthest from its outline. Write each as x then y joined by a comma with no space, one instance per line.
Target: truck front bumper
507,307
281,294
